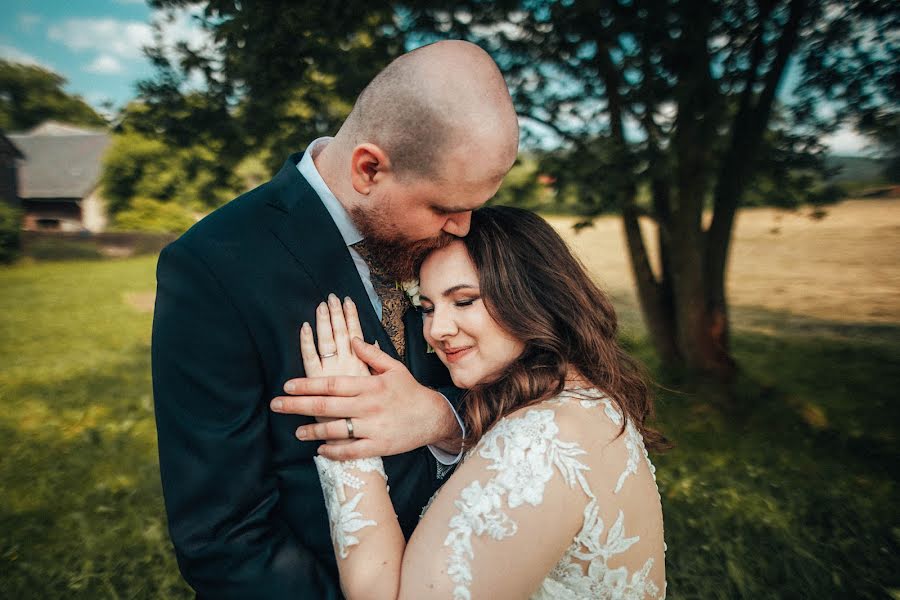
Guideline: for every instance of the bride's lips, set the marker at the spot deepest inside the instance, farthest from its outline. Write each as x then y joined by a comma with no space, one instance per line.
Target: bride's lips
455,354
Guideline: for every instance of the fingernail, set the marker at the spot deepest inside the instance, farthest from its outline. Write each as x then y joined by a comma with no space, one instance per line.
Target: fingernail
289,387
277,404
347,300
333,298
305,326
301,433
323,307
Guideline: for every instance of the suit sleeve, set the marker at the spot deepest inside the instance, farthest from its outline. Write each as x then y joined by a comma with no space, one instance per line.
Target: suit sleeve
220,491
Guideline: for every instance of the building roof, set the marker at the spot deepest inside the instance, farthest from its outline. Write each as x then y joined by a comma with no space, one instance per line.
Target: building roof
61,161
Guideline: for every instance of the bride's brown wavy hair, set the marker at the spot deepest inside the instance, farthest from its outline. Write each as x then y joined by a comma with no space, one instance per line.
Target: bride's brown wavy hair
538,291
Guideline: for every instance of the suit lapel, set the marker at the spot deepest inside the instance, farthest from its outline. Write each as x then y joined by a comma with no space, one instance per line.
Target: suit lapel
303,225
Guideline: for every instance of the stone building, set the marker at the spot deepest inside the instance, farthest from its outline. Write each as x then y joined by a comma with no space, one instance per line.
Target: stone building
59,175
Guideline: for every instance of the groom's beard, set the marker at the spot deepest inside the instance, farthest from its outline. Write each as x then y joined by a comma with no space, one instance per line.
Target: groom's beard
397,256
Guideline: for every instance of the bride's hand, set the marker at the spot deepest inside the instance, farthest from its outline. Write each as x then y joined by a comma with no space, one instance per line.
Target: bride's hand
336,325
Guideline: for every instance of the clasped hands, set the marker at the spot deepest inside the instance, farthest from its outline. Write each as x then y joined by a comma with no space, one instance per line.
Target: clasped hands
346,378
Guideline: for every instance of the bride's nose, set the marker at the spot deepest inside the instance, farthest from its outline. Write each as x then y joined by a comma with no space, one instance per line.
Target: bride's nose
442,324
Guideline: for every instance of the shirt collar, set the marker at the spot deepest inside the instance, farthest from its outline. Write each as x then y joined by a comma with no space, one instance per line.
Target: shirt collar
338,213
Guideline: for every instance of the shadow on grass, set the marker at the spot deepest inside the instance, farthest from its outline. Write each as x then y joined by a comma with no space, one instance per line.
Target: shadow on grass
755,319
795,497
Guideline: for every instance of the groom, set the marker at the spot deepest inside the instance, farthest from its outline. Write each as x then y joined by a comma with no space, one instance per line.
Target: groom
428,141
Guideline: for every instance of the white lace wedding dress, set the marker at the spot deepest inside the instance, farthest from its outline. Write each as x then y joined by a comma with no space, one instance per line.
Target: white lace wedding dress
565,449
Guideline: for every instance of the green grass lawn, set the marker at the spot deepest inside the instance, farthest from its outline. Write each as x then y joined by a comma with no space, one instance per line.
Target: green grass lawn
794,496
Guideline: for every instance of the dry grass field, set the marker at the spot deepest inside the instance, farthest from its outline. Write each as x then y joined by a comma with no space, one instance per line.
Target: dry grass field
839,275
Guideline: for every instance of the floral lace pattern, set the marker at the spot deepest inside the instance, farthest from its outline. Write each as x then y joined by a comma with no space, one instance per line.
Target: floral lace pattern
345,520
524,463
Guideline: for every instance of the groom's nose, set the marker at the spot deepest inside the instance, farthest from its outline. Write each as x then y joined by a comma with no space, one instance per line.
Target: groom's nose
458,224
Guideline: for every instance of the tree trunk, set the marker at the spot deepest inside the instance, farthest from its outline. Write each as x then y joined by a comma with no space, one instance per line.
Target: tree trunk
687,331
654,296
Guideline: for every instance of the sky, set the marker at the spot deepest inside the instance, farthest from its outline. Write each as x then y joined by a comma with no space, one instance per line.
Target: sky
96,45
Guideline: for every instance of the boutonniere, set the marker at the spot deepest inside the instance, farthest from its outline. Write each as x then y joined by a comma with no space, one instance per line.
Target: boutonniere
411,289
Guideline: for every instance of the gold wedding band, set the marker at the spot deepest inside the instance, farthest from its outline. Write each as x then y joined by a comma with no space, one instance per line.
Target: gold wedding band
328,355
349,428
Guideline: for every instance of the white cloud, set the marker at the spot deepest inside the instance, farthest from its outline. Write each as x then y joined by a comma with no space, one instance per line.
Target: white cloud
105,64
122,39
28,21
13,54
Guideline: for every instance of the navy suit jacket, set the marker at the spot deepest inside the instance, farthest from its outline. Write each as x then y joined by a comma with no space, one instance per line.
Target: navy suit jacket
245,508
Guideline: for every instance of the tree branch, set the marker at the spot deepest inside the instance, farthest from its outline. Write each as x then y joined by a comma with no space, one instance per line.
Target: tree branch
751,123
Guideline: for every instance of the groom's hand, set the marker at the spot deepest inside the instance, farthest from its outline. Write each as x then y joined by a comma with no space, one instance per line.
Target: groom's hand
391,412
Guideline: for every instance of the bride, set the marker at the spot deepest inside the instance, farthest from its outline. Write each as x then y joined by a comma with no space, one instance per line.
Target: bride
556,497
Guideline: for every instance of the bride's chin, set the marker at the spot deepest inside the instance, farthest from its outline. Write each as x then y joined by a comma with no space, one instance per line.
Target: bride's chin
460,381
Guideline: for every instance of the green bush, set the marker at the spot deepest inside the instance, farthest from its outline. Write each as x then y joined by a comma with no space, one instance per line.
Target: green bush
145,214
10,237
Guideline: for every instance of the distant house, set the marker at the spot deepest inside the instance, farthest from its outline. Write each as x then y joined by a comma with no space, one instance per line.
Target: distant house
9,186
59,175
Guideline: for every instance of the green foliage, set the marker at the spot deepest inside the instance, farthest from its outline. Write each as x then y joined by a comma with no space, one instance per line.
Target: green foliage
794,499
256,95
10,228
30,95
129,165
525,187
144,214
140,164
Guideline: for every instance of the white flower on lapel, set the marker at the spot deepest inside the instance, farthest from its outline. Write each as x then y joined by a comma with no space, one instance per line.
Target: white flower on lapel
411,289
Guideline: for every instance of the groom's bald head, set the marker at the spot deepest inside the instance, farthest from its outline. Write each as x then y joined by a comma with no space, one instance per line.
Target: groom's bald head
434,105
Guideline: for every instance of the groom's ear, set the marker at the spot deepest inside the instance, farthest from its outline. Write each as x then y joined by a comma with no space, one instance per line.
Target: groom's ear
369,166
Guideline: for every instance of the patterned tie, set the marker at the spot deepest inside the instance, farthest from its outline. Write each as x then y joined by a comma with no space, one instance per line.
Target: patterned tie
393,300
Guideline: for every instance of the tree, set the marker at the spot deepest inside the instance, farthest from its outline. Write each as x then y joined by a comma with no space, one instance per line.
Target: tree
146,214
141,163
30,95
676,101
272,78
680,97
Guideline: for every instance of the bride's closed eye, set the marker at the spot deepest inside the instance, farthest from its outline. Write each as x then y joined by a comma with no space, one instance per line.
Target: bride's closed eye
462,303
466,302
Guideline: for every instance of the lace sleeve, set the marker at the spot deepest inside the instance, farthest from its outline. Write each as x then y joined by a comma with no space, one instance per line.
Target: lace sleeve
336,477
538,510
519,478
